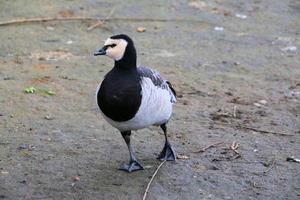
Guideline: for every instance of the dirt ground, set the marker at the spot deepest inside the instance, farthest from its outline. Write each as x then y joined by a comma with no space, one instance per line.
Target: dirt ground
235,66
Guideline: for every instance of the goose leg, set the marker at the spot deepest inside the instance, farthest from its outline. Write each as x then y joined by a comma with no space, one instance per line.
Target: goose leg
133,164
167,153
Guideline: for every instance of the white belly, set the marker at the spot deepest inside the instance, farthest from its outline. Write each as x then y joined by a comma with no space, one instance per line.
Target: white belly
155,108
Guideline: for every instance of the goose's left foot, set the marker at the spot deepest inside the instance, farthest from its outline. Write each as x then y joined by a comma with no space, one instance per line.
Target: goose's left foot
167,153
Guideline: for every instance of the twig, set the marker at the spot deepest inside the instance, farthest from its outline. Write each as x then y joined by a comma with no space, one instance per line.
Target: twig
207,147
234,146
154,174
264,131
44,19
83,18
240,126
101,22
234,111
271,167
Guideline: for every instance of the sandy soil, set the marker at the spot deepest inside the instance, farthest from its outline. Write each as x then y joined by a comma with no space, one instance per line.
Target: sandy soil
236,68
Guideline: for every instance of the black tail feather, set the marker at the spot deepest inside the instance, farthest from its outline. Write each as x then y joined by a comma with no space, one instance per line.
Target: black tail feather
172,89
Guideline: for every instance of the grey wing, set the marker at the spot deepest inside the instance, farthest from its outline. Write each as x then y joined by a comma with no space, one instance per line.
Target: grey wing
158,81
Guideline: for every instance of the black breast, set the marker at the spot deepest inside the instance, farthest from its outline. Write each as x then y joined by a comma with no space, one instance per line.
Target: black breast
119,96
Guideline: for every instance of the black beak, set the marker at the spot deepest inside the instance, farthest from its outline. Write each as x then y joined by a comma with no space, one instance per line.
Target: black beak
101,51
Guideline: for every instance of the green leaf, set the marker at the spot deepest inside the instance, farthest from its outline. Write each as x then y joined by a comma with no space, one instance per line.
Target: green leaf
30,90
47,92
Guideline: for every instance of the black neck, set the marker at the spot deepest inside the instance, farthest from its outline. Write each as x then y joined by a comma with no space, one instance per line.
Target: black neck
129,59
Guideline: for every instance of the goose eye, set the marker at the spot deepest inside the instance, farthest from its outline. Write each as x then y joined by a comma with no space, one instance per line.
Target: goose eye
112,45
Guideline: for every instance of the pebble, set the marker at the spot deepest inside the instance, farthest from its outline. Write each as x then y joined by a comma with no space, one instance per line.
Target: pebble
23,146
4,172
50,28
183,157
241,16
28,147
141,29
219,28
76,178
49,117
257,104
263,102
289,48
8,78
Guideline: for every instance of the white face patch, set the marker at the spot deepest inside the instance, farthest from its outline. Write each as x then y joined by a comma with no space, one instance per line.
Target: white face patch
118,51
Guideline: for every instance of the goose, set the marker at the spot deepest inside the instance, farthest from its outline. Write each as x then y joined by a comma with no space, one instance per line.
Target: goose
132,97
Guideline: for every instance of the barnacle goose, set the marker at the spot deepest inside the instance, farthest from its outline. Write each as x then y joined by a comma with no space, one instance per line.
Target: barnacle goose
132,97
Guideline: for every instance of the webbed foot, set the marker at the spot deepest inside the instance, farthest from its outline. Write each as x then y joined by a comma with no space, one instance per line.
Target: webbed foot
167,153
131,167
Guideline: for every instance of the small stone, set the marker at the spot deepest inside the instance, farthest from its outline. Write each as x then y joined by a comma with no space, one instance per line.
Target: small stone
117,184
263,102
289,48
8,78
219,28
199,168
257,104
49,117
4,172
213,167
183,157
241,16
50,28
229,93
29,147
22,146
141,29
76,178
148,166
64,77
185,102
